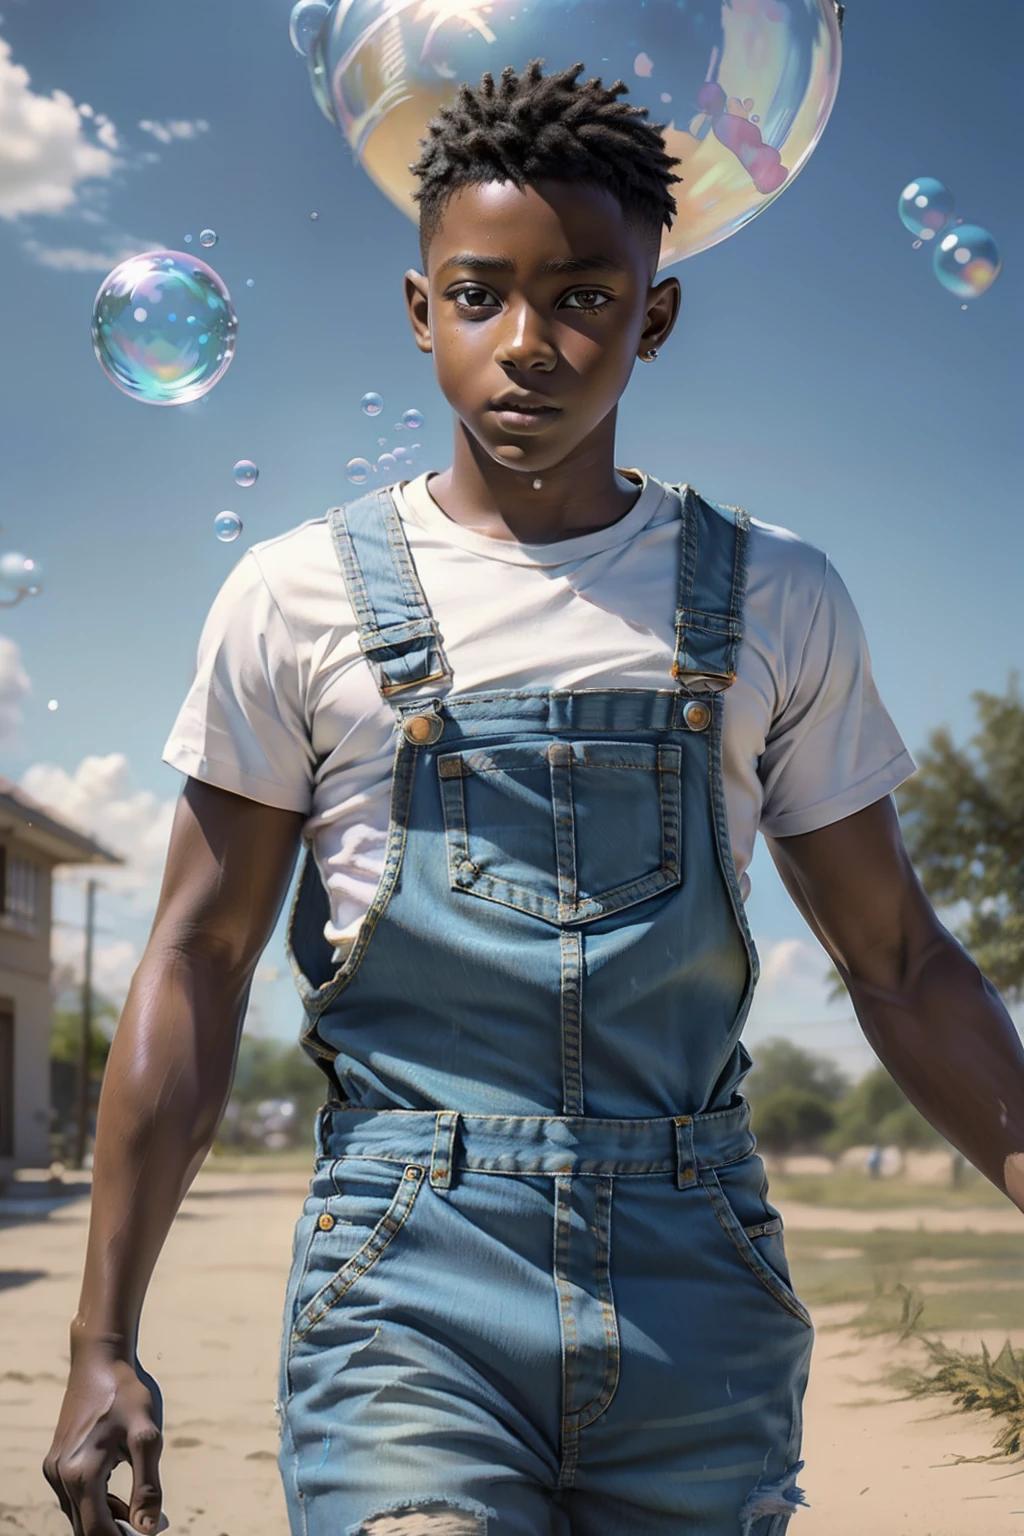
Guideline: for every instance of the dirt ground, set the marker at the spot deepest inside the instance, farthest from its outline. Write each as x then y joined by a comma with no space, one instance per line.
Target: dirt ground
210,1332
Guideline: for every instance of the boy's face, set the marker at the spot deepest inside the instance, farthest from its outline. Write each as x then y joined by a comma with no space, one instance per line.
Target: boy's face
544,293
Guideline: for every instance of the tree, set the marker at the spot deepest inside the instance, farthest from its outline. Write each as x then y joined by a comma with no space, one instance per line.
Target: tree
963,821
781,1064
793,1095
962,816
876,1110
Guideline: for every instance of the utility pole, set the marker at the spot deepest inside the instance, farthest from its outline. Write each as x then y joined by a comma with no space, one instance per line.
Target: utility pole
82,1129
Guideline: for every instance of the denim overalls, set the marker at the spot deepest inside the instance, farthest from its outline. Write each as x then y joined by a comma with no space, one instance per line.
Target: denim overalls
537,1287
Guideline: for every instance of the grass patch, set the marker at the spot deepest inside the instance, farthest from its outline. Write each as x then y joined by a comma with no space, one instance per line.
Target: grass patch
977,1381
967,1280
849,1190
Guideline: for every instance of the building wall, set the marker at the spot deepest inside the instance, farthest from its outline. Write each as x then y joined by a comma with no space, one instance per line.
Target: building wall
25,982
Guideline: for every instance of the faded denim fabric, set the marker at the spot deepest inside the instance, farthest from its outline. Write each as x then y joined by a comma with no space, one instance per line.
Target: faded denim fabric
538,1286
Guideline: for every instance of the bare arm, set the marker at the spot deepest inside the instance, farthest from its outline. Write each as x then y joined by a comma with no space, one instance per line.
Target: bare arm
166,1085
933,1019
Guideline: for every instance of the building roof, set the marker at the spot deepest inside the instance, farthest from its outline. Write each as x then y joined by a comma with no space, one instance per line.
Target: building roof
40,827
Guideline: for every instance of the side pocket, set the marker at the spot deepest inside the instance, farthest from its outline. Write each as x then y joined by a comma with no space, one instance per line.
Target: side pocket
301,1244
745,1235
353,1209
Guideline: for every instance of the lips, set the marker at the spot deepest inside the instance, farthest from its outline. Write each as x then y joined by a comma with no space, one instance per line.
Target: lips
524,413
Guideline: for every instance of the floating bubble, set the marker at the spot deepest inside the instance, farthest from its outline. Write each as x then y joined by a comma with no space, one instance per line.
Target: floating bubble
381,69
401,454
245,472
163,327
382,442
918,244
387,464
188,239
926,207
51,703
20,575
372,403
249,283
412,419
967,261
359,471
227,526
314,216
208,237
304,23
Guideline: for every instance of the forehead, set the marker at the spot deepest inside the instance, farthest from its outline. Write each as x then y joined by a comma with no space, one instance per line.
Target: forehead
540,221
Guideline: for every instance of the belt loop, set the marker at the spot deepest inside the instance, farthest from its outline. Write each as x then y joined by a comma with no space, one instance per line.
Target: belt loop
444,1149
686,1173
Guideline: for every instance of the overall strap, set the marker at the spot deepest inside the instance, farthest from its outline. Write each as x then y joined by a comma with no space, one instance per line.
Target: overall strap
712,587
398,634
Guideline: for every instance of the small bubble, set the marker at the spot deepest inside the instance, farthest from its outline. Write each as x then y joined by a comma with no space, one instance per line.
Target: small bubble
666,97
314,217
372,403
359,471
208,237
387,463
227,526
963,306
52,704
249,283
413,419
245,472
918,244
382,442
188,239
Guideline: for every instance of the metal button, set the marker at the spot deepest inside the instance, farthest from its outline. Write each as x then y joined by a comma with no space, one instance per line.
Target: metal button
697,715
688,1175
325,1222
422,729
413,1173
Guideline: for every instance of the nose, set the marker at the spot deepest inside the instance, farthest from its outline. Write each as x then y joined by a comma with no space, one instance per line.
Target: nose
526,343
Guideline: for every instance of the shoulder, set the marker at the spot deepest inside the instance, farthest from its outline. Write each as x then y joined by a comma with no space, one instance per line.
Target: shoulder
783,569
300,573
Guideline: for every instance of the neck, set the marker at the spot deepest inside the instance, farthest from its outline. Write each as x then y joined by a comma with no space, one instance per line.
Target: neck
583,493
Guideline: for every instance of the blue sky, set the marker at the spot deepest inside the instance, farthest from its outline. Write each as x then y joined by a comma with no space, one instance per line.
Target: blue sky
819,376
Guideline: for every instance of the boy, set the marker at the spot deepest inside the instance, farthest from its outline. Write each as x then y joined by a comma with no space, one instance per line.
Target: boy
527,714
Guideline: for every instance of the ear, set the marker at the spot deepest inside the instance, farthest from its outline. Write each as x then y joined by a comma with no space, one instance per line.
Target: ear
663,305
417,293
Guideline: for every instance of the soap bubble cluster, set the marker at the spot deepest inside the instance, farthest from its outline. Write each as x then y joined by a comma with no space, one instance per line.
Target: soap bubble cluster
966,258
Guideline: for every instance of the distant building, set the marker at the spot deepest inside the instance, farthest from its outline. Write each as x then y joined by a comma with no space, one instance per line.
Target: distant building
33,842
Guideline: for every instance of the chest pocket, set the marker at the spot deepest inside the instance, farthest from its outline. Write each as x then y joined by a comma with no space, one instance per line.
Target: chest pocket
566,831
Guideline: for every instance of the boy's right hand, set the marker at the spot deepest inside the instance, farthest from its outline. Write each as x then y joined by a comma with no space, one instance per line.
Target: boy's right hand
112,1412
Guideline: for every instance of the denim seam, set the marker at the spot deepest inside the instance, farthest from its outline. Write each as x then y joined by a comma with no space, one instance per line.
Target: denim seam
733,1228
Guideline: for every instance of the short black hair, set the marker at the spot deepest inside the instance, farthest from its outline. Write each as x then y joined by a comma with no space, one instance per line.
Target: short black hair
534,127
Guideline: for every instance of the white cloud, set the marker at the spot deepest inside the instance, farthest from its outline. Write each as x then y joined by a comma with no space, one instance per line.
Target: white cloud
15,685
47,146
114,962
75,258
99,798
176,128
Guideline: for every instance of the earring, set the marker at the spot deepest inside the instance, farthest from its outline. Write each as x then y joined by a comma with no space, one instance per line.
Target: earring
652,354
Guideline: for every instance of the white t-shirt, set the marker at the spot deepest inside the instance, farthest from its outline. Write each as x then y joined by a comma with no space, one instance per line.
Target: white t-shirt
284,708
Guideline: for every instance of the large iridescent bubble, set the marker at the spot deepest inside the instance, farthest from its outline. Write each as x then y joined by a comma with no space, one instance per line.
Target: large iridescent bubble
744,87
163,327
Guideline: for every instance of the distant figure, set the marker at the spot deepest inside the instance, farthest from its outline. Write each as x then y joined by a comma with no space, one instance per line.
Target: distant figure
874,1163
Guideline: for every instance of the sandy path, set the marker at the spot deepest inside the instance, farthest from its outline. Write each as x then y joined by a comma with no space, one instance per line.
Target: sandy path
210,1335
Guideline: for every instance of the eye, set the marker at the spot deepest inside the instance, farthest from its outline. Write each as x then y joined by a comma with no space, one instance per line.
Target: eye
590,299
472,298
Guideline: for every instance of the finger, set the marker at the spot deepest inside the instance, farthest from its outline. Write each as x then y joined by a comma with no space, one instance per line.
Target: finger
52,1476
94,1510
145,1444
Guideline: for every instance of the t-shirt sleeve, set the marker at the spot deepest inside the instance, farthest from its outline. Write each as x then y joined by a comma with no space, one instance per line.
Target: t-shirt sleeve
242,725
832,749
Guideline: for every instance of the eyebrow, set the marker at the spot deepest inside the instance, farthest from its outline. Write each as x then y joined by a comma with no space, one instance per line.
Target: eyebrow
563,266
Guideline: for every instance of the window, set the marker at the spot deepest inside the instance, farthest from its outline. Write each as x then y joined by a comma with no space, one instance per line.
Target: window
21,893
